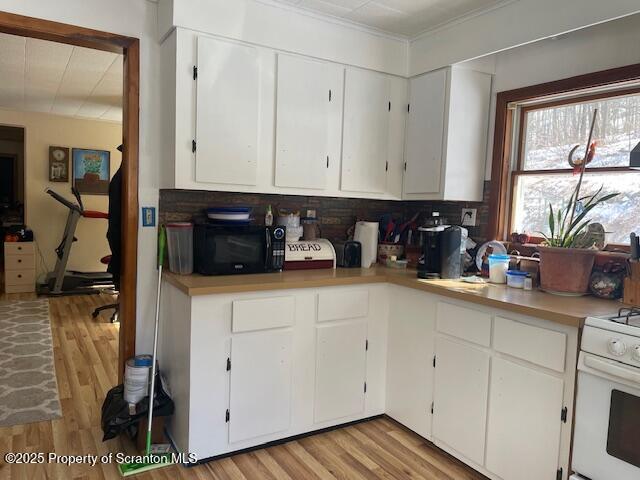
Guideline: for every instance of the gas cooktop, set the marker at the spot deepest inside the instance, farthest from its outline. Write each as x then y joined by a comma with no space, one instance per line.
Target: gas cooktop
626,316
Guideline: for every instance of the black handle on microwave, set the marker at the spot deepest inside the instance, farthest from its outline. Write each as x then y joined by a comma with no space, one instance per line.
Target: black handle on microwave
268,250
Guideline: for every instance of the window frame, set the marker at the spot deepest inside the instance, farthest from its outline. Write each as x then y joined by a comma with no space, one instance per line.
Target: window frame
518,169
509,124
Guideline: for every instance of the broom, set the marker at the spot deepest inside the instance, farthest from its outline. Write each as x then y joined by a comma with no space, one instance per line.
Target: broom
164,459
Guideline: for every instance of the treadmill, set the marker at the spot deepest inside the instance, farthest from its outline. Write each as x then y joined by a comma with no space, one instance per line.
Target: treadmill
69,282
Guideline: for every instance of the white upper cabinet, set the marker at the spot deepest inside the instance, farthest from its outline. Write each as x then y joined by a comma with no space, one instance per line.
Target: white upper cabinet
227,113
265,121
304,92
367,105
446,140
425,129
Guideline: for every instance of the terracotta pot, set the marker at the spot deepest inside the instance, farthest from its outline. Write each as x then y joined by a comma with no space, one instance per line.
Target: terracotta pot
91,177
566,270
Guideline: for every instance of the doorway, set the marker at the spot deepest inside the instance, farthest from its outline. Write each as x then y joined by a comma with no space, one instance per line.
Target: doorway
129,48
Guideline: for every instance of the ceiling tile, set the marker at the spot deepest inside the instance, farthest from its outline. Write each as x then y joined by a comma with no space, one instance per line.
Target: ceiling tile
410,6
85,69
405,17
113,114
46,63
324,7
350,4
378,16
106,94
12,62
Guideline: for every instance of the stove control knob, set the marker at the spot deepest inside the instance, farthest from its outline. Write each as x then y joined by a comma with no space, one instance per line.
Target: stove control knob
636,353
617,347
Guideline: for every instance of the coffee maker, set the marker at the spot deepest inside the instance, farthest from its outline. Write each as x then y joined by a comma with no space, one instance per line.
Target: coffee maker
441,252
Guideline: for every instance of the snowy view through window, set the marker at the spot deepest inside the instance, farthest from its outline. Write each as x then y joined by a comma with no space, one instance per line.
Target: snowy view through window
550,133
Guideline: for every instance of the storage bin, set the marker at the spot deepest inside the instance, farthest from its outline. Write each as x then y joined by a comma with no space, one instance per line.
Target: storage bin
515,278
180,246
498,266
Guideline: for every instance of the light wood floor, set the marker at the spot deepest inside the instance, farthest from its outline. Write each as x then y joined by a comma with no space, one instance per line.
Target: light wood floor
85,353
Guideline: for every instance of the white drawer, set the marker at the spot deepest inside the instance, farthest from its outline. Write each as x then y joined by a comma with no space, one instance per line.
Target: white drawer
543,347
19,277
19,262
465,323
18,248
262,313
19,288
342,304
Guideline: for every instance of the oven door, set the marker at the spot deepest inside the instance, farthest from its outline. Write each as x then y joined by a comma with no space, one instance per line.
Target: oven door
606,442
235,250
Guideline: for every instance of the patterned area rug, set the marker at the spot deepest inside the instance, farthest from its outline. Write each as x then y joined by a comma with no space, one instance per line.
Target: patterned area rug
28,387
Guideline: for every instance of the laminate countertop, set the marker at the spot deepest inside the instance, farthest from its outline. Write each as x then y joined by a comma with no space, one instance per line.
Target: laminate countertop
565,310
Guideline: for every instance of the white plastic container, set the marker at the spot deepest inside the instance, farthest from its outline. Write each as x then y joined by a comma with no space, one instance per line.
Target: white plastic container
180,246
498,266
136,378
516,278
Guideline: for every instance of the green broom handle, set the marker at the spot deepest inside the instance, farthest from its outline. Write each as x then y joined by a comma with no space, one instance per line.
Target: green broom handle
162,242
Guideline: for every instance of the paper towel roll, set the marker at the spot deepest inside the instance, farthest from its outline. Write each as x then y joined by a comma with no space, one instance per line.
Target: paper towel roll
367,234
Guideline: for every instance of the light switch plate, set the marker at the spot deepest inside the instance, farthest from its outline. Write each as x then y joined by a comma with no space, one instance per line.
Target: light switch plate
469,217
148,216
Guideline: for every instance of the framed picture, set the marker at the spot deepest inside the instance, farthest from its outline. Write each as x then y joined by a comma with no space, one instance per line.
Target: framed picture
58,164
91,171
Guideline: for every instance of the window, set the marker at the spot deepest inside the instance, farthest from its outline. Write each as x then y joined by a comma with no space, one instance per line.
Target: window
542,174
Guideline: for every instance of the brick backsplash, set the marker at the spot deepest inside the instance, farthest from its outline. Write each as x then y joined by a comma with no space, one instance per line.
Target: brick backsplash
335,215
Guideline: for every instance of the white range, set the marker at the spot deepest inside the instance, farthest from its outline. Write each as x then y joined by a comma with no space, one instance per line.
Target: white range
607,424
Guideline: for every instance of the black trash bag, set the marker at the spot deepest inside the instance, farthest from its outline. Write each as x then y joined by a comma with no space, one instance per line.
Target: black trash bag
116,418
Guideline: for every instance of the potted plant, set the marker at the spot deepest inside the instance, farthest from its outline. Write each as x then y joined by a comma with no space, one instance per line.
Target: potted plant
568,252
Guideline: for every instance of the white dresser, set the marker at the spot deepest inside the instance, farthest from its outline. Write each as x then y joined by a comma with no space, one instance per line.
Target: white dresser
20,267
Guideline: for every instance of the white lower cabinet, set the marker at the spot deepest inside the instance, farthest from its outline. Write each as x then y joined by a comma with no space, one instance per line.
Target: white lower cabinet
523,436
460,397
250,368
260,380
410,354
341,366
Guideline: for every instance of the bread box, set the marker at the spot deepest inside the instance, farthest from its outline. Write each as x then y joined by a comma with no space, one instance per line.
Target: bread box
309,254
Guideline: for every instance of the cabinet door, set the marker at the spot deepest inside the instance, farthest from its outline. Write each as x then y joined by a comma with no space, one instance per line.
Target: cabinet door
410,360
260,401
302,119
365,132
523,439
227,109
460,392
425,133
340,370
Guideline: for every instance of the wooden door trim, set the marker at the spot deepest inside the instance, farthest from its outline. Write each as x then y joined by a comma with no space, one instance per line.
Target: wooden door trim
129,47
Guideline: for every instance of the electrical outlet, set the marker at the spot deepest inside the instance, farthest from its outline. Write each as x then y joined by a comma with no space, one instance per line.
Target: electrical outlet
469,217
311,214
148,216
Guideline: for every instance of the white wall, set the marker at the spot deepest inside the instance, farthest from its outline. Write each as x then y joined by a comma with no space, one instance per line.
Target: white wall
45,216
511,24
281,28
135,18
609,45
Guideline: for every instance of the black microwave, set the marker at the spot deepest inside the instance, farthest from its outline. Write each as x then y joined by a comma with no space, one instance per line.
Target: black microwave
230,249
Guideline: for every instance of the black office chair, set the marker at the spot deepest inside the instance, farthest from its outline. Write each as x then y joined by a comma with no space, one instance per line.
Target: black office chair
115,291
114,233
